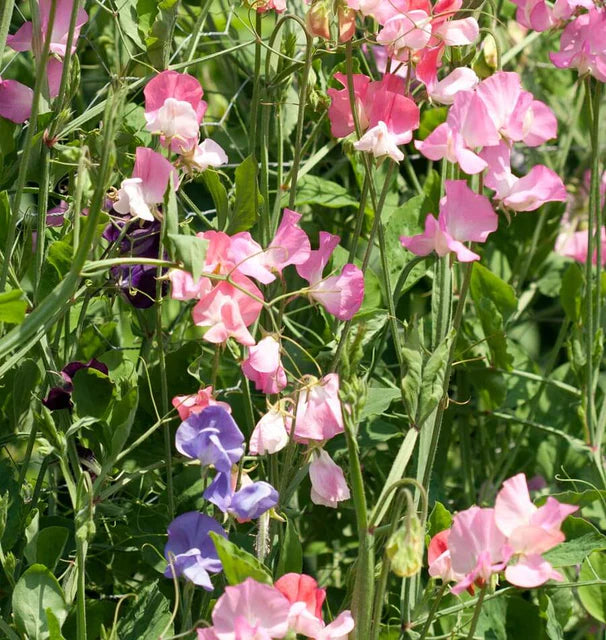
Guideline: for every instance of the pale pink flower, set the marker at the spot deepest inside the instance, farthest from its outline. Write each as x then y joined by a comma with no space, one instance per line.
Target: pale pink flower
468,126
574,245
289,246
261,6
476,547
22,39
207,154
515,113
264,366
328,485
250,611
406,32
379,9
15,101
228,311
530,531
459,79
270,434
151,175
196,403
582,45
174,109
438,558
319,415
539,186
342,294
380,143
464,217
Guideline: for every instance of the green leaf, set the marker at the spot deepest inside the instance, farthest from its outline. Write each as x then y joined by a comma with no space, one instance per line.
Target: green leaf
432,385
553,628
580,498
594,597
12,306
219,195
37,591
148,617
5,216
190,250
237,563
122,417
581,539
430,119
291,551
147,10
47,546
439,519
411,382
378,400
570,293
57,263
245,211
316,190
486,284
92,393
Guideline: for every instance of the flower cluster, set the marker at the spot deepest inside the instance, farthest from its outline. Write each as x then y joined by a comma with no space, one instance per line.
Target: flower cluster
512,537
293,604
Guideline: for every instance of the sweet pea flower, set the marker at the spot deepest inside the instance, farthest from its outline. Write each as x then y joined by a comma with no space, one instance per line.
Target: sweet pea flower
262,6
212,437
22,39
151,175
582,45
289,246
319,416
539,186
190,551
341,295
515,113
468,125
250,607
459,79
378,142
196,403
60,397
404,33
574,245
270,434
439,560
15,101
530,531
328,485
476,547
264,366
174,109
464,217
206,154
298,587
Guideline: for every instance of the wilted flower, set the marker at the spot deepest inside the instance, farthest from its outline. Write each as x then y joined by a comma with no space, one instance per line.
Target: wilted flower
60,397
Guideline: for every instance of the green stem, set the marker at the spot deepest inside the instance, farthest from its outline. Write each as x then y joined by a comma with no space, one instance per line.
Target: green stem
476,614
432,612
41,224
197,31
254,107
6,13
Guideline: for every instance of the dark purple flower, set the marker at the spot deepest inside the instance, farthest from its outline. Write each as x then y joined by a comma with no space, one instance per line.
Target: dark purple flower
253,500
55,216
190,551
212,437
60,397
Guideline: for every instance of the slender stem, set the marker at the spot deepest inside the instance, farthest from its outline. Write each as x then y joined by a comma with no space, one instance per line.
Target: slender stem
254,107
197,31
41,224
476,614
432,611
6,13
41,81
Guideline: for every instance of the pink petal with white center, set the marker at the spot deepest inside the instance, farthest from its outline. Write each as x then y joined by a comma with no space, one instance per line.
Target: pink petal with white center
460,79
513,507
270,434
341,295
380,143
131,199
209,154
540,124
290,244
458,32
328,485
174,119
15,101
539,186
531,571
180,86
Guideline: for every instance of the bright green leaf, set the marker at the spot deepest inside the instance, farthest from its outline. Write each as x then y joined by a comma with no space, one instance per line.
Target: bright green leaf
237,563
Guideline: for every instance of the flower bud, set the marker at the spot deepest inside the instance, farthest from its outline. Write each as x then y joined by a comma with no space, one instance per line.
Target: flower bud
405,547
318,19
347,23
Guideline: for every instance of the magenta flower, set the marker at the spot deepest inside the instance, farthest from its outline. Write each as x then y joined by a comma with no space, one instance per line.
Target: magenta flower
328,485
270,434
319,416
190,551
212,437
464,217
15,101
139,194
264,367
341,295
476,547
22,39
530,531
196,403
539,186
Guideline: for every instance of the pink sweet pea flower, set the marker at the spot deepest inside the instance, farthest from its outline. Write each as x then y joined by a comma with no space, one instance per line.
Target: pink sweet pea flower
289,246
174,109
261,6
530,531
264,367
151,175
445,91
341,295
196,403
301,588
464,217
328,485
204,155
270,434
468,125
438,558
339,112
539,186
22,39
582,45
228,311
404,33
250,611
574,245
515,113
319,416
15,101
378,141
476,547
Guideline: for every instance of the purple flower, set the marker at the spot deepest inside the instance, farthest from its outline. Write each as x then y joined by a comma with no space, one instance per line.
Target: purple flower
212,437
60,397
55,216
190,550
251,501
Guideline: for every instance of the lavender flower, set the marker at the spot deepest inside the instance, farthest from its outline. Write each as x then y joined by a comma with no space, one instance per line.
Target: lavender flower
251,501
